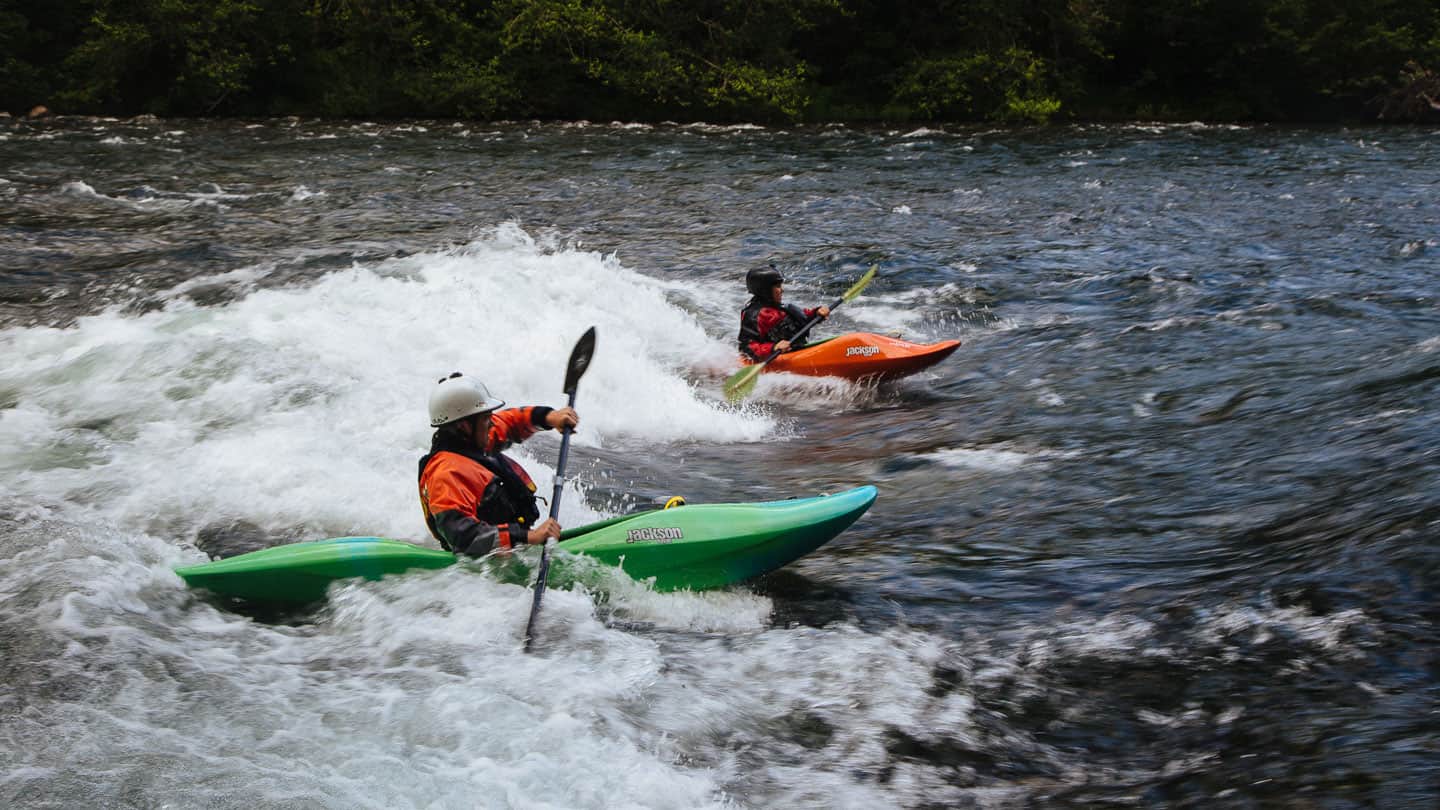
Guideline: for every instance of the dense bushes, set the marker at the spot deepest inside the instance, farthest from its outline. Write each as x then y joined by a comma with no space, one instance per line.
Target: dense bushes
725,60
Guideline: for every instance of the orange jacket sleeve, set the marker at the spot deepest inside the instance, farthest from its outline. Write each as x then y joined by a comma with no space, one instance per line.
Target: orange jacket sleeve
515,425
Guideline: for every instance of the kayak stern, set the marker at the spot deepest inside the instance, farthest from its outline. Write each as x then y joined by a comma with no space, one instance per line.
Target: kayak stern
302,572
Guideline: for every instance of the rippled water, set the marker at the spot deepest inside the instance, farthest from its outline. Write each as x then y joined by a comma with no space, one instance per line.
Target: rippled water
1163,532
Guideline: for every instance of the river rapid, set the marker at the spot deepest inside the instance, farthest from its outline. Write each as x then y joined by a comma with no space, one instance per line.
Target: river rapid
1162,533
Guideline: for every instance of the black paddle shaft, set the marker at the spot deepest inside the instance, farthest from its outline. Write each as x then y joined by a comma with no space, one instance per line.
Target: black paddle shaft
574,370
560,466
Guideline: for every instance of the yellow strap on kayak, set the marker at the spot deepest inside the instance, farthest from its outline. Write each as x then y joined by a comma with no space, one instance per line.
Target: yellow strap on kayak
675,500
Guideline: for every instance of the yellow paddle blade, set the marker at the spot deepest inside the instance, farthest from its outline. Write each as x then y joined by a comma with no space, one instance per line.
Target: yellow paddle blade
861,284
742,382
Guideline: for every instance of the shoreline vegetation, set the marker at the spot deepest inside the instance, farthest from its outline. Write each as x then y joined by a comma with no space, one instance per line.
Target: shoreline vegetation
1019,62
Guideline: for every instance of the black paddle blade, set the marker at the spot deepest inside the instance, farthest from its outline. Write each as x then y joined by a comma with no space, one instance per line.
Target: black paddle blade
579,360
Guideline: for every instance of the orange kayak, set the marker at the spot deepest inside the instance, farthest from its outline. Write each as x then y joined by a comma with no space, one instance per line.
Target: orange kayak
862,356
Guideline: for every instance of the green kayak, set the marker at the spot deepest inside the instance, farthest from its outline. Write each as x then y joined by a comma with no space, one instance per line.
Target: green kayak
697,546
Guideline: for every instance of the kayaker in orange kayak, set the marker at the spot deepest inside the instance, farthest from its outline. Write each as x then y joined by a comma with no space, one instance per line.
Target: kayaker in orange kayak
766,324
475,498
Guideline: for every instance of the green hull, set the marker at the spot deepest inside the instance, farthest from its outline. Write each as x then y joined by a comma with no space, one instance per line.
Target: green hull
697,547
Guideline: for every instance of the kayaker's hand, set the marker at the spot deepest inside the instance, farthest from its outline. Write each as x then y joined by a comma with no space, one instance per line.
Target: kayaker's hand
782,346
823,312
543,531
562,418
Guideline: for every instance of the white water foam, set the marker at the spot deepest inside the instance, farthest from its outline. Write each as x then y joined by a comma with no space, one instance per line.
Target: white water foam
909,313
147,198
987,459
411,692
303,407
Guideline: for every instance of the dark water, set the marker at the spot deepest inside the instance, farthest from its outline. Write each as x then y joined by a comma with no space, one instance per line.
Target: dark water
1163,533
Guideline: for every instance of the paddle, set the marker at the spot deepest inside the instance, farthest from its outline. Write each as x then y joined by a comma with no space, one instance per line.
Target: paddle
579,362
742,382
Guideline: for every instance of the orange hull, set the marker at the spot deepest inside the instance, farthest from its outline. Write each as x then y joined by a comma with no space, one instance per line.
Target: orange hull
862,356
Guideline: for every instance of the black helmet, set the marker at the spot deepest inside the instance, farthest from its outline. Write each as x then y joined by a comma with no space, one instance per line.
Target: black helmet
762,280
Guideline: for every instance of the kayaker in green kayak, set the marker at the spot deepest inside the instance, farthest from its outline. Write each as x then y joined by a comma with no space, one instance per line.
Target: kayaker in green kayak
475,498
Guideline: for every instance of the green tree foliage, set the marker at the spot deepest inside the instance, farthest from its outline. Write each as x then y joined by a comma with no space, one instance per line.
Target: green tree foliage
1271,59
1008,86
727,59
163,55
572,54
1016,61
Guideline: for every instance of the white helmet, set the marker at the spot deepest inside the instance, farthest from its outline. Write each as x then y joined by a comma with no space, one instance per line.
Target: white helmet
459,396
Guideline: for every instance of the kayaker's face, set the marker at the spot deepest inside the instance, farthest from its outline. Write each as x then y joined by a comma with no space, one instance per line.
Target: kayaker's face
480,430
777,291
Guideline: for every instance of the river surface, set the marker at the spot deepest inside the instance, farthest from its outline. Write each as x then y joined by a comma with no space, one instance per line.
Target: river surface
1162,533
